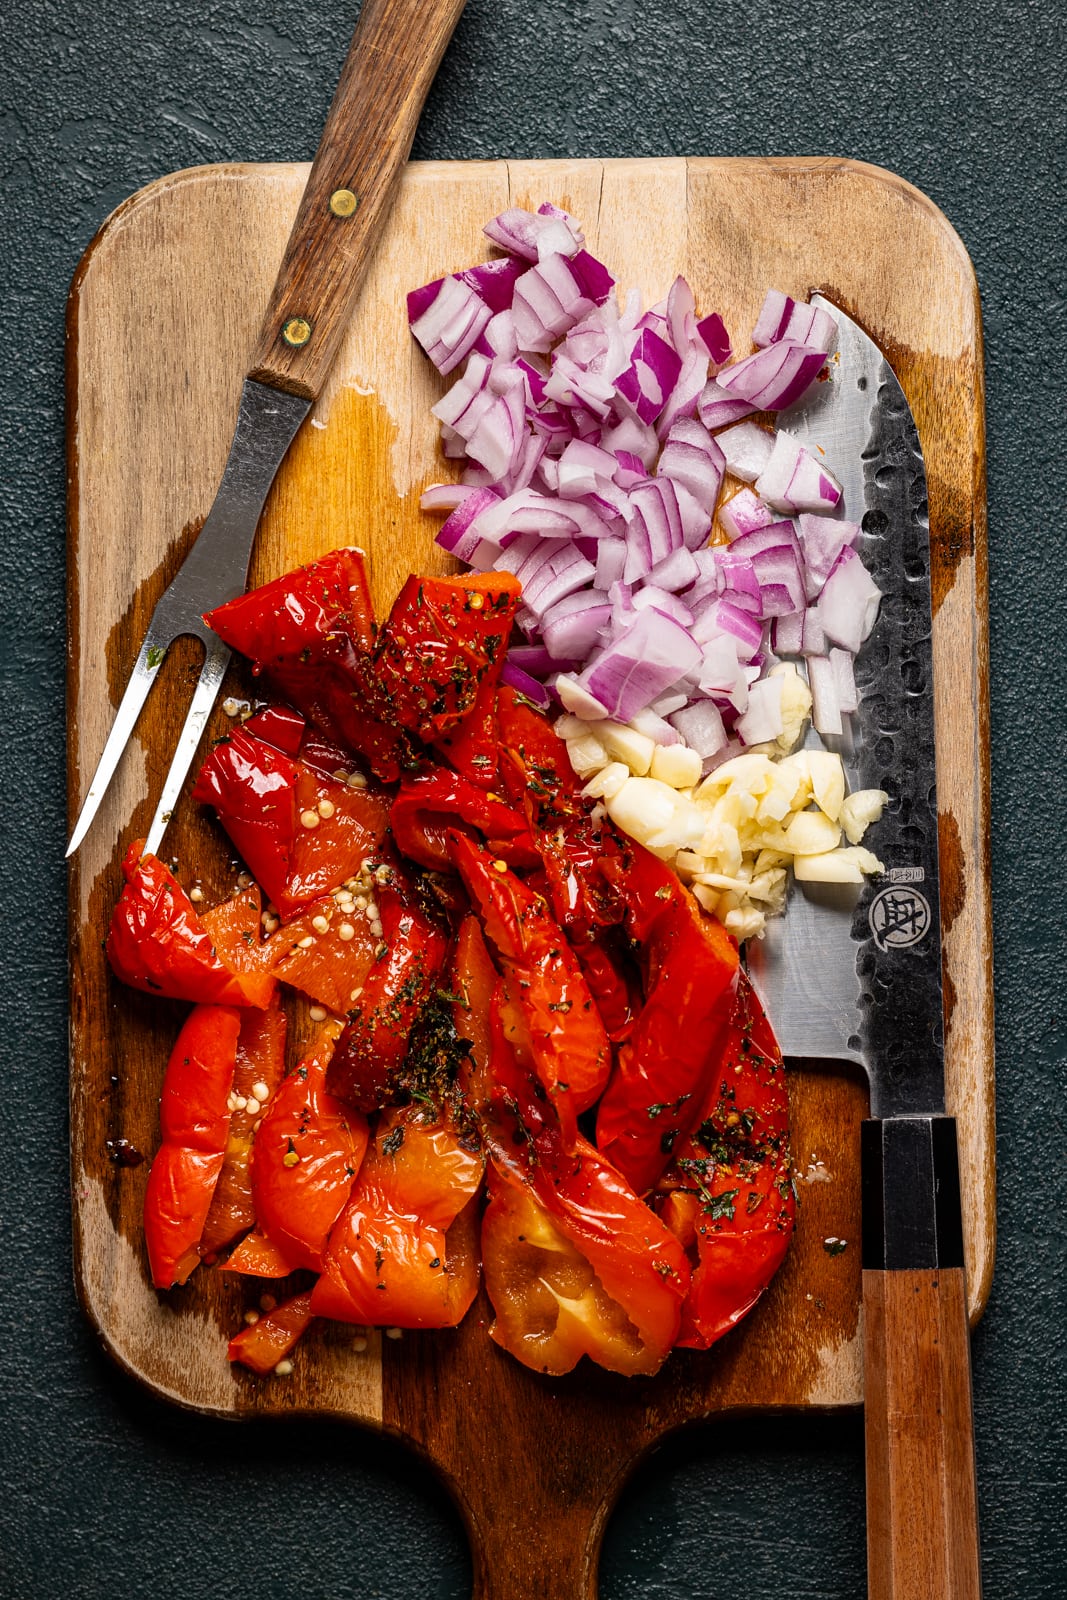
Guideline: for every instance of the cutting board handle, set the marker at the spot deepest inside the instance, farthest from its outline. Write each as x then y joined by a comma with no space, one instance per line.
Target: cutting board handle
394,55
922,1502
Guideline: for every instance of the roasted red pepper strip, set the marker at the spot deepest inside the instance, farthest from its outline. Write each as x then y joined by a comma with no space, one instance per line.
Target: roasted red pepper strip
268,1341
157,942
300,611
403,1253
259,1066
427,805
550,1307
474,979
259,1257
639,1263
300,832
330,965
537,777
306,1155
729,1193
310,633
371,1050
442,637
571,1052
194,1119
473,745
279,726
691,963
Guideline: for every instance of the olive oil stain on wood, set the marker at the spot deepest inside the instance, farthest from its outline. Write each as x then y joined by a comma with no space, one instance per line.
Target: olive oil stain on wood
534,1463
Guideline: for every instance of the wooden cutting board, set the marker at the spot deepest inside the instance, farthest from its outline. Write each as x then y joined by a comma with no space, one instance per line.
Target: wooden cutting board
163,315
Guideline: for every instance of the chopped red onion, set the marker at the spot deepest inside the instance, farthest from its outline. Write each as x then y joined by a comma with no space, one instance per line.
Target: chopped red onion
701,726
746,448
715,407
693,459
571,627
785,318
518,232
762,720
643,661
825,705
788,633
675,571
743,513
844,680
822,540
649,379
711,331
654,727
449,323
848,605
772,378
813,640
794,480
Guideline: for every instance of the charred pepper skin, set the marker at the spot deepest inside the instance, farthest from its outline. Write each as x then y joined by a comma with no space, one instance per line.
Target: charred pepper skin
370,1052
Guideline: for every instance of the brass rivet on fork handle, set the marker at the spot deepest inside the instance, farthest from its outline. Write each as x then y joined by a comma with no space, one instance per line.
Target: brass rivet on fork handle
296,332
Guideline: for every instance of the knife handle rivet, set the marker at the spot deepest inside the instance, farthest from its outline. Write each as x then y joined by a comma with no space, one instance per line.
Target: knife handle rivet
343,202
296,331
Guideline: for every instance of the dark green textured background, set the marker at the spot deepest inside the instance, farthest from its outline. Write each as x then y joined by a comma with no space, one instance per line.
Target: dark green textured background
104,1493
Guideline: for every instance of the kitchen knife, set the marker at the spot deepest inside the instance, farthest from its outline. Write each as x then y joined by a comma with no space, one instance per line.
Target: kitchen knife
855,974
395,52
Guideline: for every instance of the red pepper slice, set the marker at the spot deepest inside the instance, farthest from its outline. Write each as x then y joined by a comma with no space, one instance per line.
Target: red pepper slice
442,638
656,1088
330,965
571,1052
371,1050
157,942
266,1342
638,1261
427,805
550,1307
403,1253
300,611
305,1158
194,1119
300,832
279,726
729,1194
259,1065
310,633
259,1257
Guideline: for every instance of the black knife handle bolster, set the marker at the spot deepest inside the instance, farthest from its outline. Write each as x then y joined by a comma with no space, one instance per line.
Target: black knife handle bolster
910,1193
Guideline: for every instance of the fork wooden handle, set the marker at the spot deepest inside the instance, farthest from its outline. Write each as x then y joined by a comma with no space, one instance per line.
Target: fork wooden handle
395,52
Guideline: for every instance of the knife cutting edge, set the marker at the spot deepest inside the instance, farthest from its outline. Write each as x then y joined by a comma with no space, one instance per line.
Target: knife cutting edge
854,973
391,63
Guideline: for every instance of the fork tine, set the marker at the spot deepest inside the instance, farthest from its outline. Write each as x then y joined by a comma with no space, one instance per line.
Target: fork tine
211,675
142,678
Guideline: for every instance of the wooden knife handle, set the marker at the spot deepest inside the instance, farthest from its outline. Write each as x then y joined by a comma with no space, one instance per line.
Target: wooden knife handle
922,1504
395,52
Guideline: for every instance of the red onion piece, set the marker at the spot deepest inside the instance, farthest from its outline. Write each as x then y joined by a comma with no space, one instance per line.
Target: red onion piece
743,513
844,680
518,231
711,331
643,661
775,377
788,633
822,539
570,628
746,448
825,705
795,480
514,675
701,726
762,720
692,458
848,605
649,379
715,407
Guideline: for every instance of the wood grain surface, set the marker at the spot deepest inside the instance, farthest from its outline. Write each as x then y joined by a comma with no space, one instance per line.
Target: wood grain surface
535,1464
